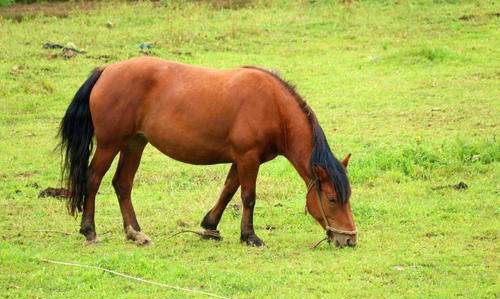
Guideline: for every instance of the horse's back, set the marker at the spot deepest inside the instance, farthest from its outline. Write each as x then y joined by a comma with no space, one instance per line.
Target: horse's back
193,114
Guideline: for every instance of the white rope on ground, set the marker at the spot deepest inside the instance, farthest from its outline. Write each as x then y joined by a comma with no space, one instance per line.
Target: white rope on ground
133,278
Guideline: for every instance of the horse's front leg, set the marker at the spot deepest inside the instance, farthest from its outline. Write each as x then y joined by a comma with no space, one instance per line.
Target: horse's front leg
212,218
100,164
248,168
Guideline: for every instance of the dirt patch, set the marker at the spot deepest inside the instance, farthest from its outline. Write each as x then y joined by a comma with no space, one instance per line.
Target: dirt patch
468,17
472,17
104,58
433,234
227,4
66,51
459,186
182,223
19,12
54,192
26,174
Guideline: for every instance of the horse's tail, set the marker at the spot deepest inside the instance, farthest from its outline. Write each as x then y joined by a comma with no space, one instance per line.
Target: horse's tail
76,132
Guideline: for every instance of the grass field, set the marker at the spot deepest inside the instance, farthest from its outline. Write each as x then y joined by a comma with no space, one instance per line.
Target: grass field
410,89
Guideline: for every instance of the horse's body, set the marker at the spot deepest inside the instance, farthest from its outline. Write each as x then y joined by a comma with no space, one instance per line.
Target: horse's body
244,116
198,116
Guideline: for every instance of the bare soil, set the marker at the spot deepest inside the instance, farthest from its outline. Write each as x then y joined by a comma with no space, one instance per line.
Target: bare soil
54,192
19,12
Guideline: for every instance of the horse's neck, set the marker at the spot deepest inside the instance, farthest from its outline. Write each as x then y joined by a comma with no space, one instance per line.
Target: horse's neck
299,145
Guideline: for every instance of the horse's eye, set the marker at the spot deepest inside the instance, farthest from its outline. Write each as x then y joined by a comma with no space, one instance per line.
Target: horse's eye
331,198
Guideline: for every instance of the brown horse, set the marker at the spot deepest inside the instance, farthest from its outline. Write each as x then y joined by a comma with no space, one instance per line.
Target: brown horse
244,116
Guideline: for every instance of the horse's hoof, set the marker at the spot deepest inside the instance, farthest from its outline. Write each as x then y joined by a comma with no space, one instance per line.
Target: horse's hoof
92,241
211,234
254,241
139,238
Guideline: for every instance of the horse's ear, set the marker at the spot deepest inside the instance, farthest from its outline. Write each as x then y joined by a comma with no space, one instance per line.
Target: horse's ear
320,172
345,162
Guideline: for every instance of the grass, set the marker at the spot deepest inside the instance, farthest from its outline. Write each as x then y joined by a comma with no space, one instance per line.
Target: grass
410,89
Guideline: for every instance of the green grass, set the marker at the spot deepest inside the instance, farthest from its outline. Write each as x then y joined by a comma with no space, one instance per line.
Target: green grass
410,89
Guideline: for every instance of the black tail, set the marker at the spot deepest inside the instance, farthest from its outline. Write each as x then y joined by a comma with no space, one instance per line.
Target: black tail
76,132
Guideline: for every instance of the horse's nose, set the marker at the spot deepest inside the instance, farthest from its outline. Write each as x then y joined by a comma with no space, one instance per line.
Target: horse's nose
342,240
351,241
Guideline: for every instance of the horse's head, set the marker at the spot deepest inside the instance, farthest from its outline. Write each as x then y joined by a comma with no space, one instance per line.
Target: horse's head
334,214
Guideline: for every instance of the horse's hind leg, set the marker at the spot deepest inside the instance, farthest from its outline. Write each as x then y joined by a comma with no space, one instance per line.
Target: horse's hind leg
130,158
213,216
100,164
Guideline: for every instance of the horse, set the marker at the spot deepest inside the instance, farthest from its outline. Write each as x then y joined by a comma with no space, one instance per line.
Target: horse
244,116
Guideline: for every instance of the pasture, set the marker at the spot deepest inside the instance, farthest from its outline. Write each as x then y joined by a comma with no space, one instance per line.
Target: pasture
410,88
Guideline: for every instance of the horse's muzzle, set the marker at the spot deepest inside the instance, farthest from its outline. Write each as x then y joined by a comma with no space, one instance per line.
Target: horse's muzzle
343,240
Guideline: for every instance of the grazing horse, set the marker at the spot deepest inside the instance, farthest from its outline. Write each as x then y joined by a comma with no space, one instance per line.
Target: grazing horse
243,116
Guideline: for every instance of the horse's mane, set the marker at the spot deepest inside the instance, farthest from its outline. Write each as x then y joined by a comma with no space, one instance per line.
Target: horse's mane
321,154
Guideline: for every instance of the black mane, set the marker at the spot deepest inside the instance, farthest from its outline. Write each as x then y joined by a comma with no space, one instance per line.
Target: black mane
321,154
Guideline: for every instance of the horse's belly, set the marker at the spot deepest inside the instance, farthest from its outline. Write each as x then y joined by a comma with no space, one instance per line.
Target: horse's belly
190,149
198,157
